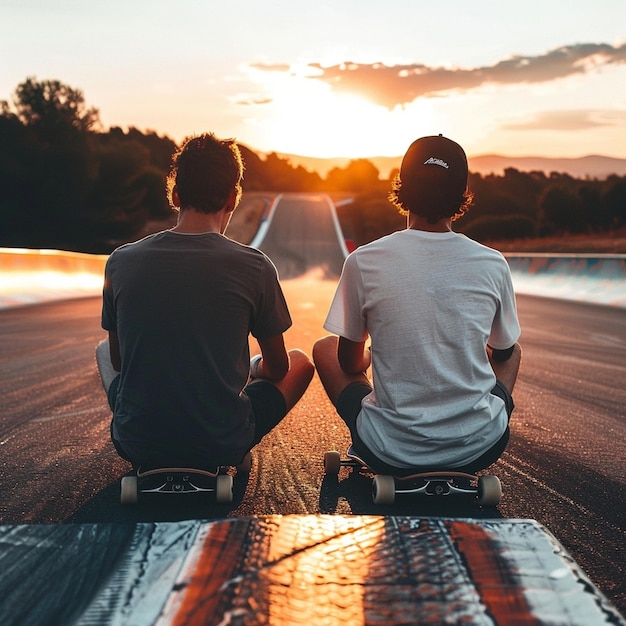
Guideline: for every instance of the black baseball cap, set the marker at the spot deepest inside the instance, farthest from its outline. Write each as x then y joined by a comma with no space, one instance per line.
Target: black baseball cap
435,160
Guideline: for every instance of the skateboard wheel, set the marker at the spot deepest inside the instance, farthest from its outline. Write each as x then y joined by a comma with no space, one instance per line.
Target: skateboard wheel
489,490
128,490
383,489
246,464
332,462
224,488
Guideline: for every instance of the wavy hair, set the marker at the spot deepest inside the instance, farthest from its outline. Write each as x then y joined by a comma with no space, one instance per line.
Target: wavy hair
432,202
205,171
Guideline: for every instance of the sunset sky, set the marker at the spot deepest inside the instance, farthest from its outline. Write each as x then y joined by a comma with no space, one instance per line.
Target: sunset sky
326,78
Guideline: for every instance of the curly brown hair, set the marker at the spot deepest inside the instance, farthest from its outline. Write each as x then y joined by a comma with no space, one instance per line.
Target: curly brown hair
433,202
205,171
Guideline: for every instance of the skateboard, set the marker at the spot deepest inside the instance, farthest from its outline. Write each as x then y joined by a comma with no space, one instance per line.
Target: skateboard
174,481
486,489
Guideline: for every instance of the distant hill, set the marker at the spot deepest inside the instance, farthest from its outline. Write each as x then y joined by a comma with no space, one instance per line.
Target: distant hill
592,166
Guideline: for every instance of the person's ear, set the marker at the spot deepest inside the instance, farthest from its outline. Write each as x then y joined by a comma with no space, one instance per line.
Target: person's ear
175,197
233,200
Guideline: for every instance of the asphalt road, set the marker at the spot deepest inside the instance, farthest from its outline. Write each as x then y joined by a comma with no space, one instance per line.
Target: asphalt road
564,466
304,236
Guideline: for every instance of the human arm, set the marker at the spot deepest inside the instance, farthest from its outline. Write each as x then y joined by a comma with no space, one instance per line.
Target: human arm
109,315
506,364
114,351
505,359
346,320
274,362
352,355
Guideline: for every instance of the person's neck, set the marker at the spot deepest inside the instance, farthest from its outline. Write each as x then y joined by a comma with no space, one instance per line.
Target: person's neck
195,222
417,222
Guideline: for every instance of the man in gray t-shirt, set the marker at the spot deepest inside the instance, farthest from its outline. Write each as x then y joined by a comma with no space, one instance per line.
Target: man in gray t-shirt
179,307
440,311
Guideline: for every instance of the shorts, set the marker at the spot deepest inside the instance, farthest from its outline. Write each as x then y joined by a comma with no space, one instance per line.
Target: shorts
268,408
349,406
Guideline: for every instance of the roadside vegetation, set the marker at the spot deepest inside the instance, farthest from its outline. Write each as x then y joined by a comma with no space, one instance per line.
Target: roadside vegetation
69,184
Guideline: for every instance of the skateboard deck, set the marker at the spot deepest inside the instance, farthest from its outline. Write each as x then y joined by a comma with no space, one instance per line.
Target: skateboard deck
175,481
487,490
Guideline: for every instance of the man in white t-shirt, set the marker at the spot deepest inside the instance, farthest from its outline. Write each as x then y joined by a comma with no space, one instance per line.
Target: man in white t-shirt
440,311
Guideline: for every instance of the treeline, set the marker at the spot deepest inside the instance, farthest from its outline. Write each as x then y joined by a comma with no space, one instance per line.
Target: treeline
517,205
69,184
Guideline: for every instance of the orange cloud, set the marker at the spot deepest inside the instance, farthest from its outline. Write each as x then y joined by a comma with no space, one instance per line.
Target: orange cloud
395,85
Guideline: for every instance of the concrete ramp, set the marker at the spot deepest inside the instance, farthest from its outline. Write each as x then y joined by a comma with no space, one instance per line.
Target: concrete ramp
596,278
302,235
295,569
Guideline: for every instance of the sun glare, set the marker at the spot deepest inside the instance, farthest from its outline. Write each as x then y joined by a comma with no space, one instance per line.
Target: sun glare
306,117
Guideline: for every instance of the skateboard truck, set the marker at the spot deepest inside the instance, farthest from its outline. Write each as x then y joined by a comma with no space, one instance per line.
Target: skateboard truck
486,489
174,481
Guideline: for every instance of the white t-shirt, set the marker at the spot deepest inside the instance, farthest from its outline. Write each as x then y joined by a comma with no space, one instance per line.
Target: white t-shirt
430,302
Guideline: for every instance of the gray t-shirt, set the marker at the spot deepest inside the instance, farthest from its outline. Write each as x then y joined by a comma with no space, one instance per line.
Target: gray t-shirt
183,307
430,302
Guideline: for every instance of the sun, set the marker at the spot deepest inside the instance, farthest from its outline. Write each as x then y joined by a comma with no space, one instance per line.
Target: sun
306,117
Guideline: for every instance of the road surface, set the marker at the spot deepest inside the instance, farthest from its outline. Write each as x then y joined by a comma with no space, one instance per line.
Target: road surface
303,235
564,466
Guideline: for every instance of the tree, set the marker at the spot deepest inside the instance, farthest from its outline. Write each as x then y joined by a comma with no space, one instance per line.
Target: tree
614,202
494,228
66,186
51,161
358,176
52,106
370,215
561,211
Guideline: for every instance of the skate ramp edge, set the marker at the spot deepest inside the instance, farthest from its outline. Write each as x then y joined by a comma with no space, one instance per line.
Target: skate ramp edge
31,276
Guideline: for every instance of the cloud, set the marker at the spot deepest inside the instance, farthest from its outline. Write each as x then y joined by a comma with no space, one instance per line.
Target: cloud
252,100
270,67
567,121
395,85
